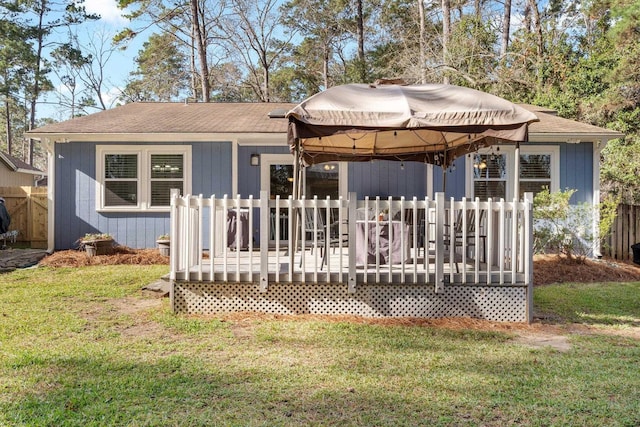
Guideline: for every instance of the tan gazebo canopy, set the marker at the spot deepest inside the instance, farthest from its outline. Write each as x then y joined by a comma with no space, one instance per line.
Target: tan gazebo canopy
431,123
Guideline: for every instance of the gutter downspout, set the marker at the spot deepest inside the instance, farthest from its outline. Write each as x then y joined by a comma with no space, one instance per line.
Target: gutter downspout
597,148
51,203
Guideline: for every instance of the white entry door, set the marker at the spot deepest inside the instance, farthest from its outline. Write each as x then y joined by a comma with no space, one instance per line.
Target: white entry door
322,180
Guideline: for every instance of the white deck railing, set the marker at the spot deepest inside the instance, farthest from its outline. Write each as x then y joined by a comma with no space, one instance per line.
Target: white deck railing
434,241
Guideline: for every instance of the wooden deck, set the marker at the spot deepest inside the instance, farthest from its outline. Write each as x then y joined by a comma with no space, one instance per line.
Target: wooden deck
452,280
245,267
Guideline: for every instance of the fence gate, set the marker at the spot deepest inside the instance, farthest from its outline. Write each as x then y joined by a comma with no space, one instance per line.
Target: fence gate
28,209
624,233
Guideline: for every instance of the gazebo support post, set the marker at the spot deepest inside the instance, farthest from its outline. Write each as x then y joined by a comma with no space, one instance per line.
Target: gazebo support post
296,196
516,173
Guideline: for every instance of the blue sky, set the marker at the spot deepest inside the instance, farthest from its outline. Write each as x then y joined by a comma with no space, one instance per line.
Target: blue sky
117,69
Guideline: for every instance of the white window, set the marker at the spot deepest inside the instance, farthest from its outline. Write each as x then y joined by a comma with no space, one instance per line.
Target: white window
131,178
535,173
490,171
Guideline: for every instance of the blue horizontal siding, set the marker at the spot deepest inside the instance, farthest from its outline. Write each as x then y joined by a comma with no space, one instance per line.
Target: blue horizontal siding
576,171
211,174
388,178
75,192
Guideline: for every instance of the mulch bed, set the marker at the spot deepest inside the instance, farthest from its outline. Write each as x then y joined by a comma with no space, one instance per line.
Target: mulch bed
121,255
549,269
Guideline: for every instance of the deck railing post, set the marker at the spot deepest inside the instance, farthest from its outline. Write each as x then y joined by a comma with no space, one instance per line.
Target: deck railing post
173,237
439,261
264,241
173,233
528,252
351,210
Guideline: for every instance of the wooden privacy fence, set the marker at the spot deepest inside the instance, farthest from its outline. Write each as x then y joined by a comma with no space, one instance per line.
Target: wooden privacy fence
624,233
28,209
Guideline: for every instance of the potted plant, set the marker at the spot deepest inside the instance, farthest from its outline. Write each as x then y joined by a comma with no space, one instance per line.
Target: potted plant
164,244
97,243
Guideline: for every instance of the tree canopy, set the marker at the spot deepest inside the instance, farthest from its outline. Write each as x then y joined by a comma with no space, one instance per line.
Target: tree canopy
579,58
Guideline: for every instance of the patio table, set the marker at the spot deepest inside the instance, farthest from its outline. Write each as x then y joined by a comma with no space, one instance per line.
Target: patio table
394,242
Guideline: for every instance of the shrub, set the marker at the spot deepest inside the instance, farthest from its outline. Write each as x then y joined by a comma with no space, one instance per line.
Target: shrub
566,229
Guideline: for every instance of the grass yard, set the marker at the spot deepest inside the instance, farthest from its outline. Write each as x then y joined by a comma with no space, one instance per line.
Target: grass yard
83,347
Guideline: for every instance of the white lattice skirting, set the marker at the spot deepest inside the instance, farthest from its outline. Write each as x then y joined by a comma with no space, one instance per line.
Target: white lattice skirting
496,303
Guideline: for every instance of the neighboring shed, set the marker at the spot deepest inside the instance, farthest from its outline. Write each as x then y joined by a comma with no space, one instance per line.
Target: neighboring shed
16,173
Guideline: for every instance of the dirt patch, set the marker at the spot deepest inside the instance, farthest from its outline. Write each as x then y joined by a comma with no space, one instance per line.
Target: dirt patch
243,330
132,306
540,340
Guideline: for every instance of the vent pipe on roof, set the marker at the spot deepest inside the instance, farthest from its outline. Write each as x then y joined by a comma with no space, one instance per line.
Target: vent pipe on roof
279,113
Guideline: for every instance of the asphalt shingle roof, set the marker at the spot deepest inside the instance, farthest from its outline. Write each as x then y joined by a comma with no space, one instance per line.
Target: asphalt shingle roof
205,118
551,123
166,117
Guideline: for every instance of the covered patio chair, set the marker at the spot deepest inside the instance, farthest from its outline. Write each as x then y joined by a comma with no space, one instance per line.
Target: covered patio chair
320,236
467,242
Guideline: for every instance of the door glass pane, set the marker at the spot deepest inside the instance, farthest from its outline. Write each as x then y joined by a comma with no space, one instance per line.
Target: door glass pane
281,181
322,181
280,184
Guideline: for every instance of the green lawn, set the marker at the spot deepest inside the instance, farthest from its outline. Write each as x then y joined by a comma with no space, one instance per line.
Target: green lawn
82,347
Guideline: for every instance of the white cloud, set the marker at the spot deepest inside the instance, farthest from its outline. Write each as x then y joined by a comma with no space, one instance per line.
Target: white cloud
110,97
107,9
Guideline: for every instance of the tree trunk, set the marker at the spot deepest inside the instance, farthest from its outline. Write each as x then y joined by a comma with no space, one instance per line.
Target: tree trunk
202,51
265,76
192,62
360,30
526,19
423,61
506,28
477,7
325,67
36,77
7,115
446,31
537,27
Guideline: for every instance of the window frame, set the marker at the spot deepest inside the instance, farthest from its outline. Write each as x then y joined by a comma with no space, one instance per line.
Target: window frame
509,151
143,186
